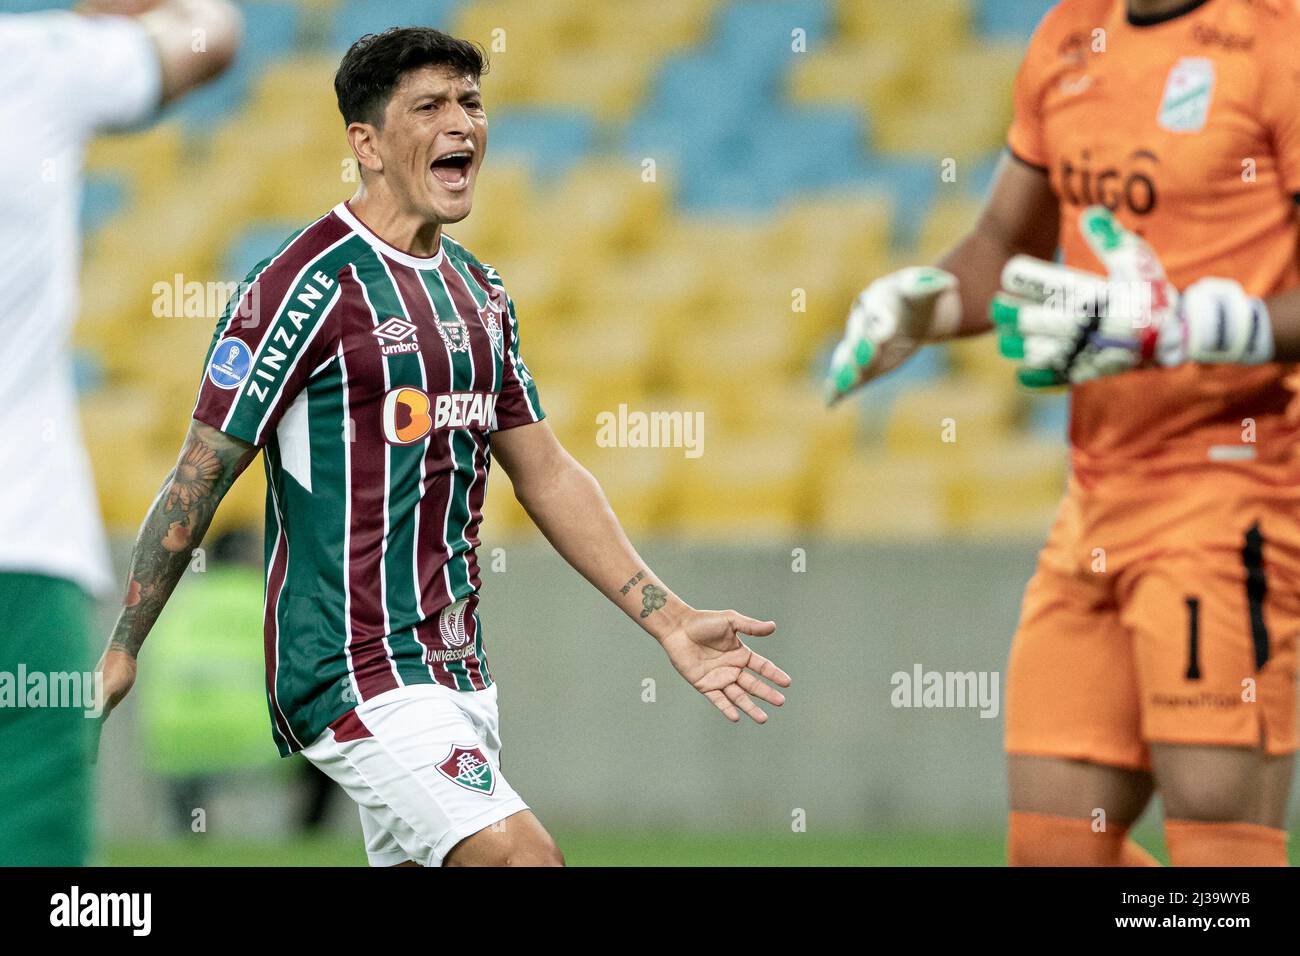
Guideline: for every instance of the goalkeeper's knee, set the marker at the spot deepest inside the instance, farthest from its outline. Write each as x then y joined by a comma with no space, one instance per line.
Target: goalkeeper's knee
1036,839
1202,843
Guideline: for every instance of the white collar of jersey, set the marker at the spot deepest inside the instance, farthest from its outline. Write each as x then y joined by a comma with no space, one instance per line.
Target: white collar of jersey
392,252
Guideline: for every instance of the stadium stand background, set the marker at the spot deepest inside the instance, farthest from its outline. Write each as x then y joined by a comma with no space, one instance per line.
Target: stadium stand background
799,149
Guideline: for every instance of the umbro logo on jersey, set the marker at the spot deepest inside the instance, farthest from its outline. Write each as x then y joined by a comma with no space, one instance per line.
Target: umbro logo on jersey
393,334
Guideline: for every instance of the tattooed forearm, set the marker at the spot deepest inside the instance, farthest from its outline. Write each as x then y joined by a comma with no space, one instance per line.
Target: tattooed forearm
630,584
653,598
209,463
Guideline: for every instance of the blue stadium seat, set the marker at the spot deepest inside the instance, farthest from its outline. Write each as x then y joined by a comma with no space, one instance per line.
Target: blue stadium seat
36,6
761,32
103,195
912,182
979,176
1049,415
717,110
551,140
255,243
356,18
1010,19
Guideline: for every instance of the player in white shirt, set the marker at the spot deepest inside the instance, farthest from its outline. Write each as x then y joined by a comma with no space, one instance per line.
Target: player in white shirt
64,78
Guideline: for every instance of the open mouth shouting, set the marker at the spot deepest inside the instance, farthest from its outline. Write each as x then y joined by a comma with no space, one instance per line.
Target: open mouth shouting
452,169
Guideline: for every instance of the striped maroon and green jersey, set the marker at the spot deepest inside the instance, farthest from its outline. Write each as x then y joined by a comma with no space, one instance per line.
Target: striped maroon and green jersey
372,379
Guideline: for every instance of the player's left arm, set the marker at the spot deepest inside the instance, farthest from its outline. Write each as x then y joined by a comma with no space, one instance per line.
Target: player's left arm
569,507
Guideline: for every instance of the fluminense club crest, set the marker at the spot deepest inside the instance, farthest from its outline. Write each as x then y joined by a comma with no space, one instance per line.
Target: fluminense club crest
466,767
490,317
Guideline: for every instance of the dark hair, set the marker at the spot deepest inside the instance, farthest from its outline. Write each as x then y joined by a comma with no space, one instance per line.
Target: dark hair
374,65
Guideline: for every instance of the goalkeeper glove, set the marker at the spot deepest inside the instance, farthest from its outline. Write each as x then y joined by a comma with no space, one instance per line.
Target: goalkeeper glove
889,320
1070,326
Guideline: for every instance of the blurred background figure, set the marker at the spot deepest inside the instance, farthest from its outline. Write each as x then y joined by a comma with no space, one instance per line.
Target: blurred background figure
200,715
201,707
65,78
727,173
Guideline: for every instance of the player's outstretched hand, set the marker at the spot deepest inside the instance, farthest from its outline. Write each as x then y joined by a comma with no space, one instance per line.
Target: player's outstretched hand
707,650
889,320
1067,326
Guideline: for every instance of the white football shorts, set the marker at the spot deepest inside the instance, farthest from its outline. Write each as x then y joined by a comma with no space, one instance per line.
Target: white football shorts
422,763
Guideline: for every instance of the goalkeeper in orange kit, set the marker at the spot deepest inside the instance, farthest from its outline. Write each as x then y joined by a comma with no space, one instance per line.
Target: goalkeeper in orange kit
1157,144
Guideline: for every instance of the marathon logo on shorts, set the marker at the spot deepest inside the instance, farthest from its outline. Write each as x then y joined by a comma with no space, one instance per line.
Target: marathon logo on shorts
466,767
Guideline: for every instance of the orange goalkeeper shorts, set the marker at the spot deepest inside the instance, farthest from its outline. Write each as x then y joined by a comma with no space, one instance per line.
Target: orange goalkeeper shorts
1163,613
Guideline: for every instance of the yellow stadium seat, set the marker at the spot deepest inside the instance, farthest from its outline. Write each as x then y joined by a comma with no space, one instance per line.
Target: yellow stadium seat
881,496
661,26
151,160
952,420
608,197
930,117
928,28
637,481
741,487
503,194
1010,487
851,73
976,357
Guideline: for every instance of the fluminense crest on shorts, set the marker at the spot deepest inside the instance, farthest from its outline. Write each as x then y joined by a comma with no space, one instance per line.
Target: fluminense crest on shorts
467,767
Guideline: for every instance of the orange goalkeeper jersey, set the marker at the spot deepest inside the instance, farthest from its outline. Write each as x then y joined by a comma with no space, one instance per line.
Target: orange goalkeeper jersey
1187,127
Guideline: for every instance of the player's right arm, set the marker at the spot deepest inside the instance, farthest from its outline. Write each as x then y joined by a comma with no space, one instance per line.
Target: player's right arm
899,313
1021,217
208,464
176,27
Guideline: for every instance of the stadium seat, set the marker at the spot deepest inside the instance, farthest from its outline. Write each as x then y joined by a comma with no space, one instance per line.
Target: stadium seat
871,495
